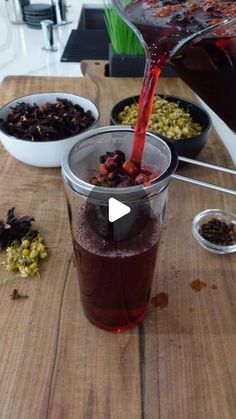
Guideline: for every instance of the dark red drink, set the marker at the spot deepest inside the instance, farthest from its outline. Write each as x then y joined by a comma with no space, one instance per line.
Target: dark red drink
116,254
209,68
115,277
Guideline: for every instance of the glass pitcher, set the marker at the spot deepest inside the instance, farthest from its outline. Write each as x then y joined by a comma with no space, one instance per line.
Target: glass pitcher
208,66
197,38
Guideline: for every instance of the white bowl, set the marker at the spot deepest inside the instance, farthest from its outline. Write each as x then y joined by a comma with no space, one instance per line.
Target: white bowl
43,153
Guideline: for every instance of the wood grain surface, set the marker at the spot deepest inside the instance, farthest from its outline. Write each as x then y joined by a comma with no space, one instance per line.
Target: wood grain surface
180,363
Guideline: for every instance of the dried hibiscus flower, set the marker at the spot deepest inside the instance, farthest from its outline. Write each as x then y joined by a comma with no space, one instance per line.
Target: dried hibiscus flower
14,228
116,172
46,122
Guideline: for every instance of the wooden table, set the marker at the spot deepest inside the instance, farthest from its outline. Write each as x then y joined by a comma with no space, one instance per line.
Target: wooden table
180,363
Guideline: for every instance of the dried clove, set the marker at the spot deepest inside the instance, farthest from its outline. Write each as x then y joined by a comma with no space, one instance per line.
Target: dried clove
15,295
218,232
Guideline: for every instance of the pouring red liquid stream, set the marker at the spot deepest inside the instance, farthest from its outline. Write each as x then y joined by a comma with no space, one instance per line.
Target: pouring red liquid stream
165,26
145,110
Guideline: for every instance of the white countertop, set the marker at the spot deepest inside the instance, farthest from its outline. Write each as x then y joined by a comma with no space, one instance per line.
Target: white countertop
21,47
21,54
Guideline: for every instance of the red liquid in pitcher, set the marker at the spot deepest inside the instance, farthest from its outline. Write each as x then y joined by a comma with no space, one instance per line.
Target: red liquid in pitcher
209,68
164,25
115,278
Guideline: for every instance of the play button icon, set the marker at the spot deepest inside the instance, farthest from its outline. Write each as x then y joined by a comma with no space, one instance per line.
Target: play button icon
117,210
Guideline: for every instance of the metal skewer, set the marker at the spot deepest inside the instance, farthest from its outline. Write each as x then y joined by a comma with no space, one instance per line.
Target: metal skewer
208,165
203,183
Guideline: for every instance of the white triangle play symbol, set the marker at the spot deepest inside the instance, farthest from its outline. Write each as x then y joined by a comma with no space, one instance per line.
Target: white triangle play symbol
117,210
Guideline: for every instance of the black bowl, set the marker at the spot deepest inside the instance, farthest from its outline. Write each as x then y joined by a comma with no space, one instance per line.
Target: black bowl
186,147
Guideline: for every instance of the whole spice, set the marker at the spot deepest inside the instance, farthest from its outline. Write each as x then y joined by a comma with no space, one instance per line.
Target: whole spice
46,122
17,296
14,228
167,119
218,232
